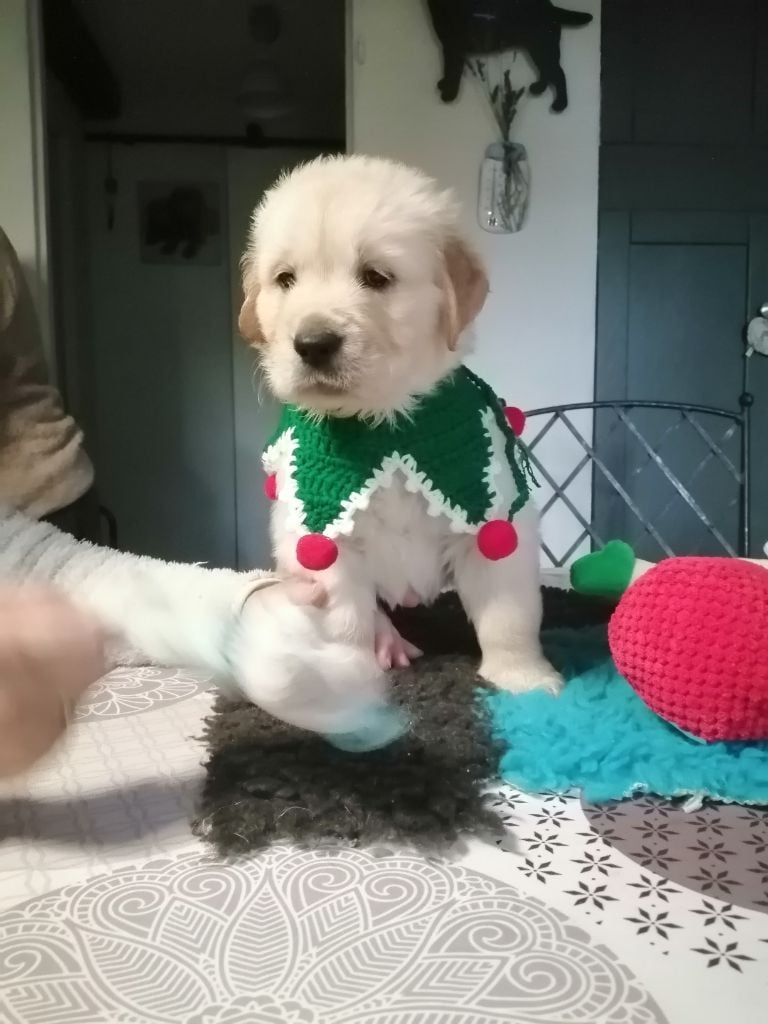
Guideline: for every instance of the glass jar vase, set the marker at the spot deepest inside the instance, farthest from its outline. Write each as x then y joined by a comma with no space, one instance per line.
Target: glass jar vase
502,200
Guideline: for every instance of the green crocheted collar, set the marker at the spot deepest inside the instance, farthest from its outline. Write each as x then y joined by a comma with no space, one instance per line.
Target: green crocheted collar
456,448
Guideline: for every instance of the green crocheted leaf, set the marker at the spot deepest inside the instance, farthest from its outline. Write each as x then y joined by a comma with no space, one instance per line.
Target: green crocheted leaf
604,573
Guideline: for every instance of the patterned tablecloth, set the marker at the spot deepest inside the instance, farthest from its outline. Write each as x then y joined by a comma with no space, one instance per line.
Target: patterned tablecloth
112,912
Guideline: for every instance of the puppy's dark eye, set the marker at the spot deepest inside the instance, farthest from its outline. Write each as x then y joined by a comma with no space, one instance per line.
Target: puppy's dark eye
285,279
375,279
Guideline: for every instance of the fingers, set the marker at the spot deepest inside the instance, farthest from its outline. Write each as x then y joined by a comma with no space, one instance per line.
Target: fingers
43,636
306,592
50,652
32,718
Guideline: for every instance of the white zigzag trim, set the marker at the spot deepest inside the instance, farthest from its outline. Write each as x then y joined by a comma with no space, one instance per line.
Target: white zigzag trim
280,458
498,473
415,482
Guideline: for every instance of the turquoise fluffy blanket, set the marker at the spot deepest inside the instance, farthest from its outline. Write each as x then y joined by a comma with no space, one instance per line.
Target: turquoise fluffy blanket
600,738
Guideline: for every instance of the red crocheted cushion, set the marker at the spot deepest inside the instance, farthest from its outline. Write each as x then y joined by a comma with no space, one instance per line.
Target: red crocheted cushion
691,636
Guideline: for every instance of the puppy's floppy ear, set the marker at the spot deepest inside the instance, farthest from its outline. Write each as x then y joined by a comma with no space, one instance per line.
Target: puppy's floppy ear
465,287
248,322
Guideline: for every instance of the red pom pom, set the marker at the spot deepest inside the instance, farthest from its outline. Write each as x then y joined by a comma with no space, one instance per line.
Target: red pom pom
316,552
515,419
270,486
497,539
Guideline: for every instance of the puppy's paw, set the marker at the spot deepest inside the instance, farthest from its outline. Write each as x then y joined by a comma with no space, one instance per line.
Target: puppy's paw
392,650
520,673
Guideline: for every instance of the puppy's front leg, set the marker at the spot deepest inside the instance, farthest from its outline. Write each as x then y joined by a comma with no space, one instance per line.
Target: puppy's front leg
503,600
392,650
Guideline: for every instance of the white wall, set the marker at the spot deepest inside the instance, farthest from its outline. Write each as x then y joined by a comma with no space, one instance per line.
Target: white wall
22,162
536,336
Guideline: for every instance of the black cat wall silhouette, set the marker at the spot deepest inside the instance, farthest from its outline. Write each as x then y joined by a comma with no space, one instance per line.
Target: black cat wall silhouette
477,28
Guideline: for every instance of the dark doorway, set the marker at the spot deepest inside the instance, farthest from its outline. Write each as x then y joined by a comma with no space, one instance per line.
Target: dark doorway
683,256
166,121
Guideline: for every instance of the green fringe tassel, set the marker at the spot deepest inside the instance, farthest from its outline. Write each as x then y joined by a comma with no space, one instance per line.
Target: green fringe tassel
517,454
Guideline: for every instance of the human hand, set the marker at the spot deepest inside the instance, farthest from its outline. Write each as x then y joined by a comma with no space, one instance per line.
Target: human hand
286,661
50,652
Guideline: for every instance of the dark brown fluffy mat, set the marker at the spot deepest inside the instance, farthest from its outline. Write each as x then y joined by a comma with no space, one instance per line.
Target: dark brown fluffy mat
268,782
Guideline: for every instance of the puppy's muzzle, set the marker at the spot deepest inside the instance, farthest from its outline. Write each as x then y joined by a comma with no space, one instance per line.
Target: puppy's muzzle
317,348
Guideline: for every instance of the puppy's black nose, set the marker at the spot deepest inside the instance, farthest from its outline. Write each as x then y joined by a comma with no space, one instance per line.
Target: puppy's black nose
317,348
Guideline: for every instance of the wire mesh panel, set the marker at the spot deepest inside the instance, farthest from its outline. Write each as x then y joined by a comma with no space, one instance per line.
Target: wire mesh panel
670,479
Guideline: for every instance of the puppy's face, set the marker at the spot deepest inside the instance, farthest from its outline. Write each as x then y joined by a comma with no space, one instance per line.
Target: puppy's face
357,286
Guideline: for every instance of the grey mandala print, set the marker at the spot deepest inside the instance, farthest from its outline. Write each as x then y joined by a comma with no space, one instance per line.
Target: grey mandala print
134,690
331,936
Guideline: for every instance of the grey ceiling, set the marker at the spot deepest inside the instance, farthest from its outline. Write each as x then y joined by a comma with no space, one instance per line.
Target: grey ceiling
181,64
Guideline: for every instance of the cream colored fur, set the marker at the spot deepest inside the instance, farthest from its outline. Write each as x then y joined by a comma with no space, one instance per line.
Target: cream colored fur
321,243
